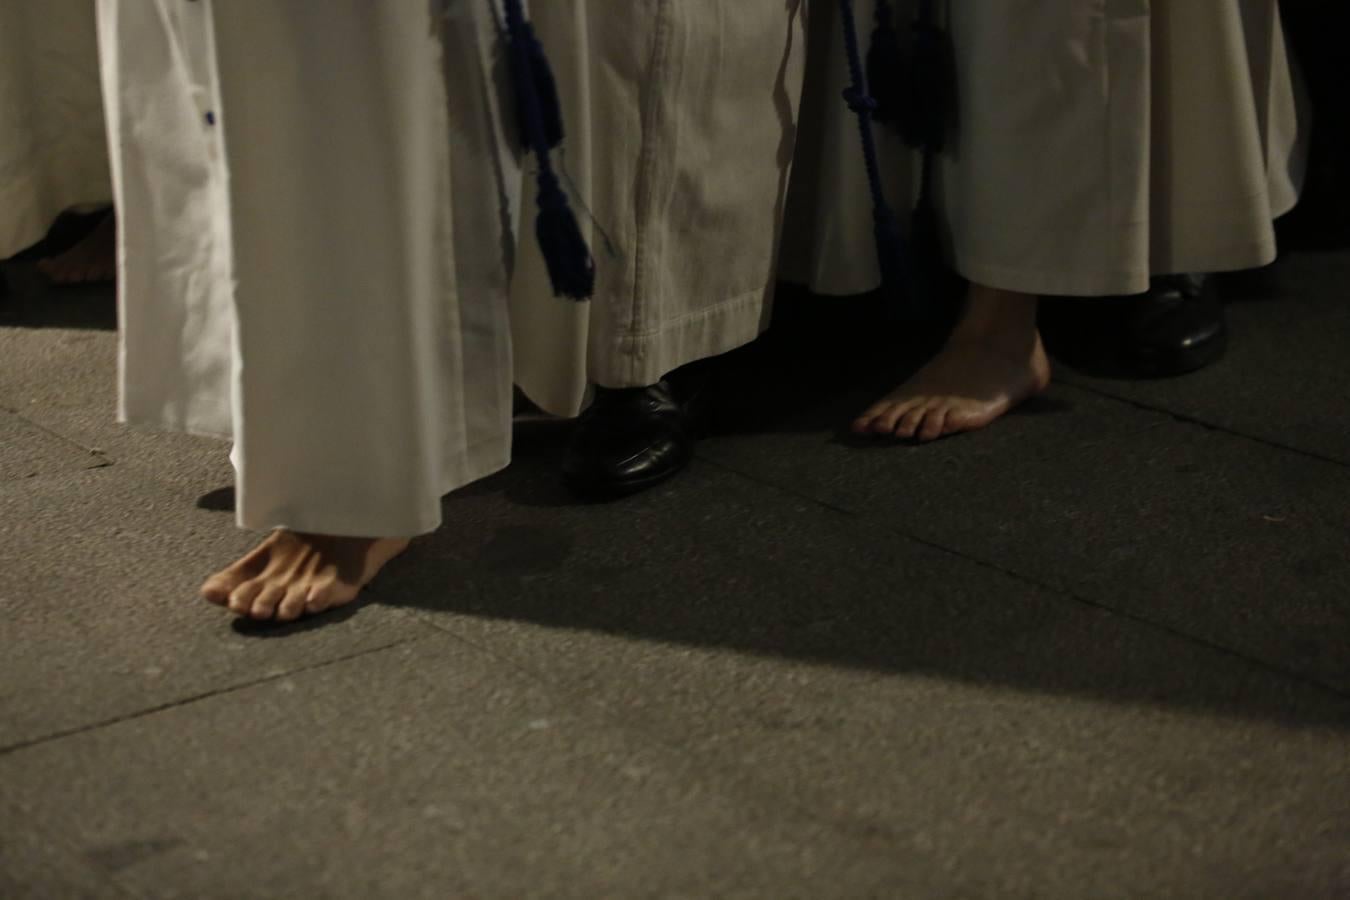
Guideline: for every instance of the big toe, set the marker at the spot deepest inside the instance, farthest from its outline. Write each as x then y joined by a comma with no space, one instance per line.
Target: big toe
969,418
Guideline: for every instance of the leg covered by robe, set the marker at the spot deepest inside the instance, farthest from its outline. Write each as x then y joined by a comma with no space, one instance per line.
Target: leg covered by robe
315,204
1096,143
52,138
682,123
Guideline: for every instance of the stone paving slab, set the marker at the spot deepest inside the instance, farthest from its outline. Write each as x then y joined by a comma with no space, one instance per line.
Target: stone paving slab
986,790
1284,377
949,663
65,381
27,451
716,560
98,613
1004,739
1217,536
525,762
38,865
430,770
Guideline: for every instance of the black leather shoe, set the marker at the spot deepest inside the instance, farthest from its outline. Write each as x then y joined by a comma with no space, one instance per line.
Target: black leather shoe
1177,327
629,439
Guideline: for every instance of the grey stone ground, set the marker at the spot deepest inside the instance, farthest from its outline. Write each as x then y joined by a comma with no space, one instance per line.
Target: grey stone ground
1102,650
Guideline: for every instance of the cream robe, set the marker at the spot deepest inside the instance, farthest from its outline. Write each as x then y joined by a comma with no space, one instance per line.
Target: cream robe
52,145
682,122
1098,142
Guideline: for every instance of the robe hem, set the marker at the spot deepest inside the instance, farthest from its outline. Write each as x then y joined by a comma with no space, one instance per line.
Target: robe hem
637,360
362,525
148,423
1247,255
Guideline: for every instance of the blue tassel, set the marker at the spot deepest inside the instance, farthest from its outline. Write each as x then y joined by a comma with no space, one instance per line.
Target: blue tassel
545,90
886,64
571,268
890,249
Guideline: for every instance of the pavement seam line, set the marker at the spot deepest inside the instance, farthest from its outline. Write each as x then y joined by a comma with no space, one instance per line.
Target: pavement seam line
1061,592
206,695
1187,419
104,460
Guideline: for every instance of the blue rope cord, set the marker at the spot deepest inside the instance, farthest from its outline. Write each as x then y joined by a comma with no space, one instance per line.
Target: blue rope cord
571,268
890,252
531,117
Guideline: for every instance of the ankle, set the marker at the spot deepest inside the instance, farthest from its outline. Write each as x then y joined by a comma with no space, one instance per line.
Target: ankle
995,316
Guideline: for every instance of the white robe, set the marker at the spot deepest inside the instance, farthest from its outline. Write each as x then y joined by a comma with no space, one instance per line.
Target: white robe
52,138
315,203
682,123
1097,142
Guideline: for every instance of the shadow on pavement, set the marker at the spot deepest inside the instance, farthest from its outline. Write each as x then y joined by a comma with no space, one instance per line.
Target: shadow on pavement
715,560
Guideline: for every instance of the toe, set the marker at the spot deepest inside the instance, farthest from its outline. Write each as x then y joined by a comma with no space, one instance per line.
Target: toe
265,604
962,419
242,597
886,422
292,606
322,595
933,424
909,423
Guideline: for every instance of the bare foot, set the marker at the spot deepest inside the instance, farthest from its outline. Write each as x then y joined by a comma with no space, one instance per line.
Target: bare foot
291,574
993,361
91,261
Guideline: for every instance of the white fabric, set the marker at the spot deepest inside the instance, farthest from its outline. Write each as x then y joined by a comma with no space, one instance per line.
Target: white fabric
682,119
52,140
1097,142
321,275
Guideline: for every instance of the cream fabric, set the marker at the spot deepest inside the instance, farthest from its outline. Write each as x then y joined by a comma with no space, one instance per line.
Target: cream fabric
1098,142
52,141
682,119
321,275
